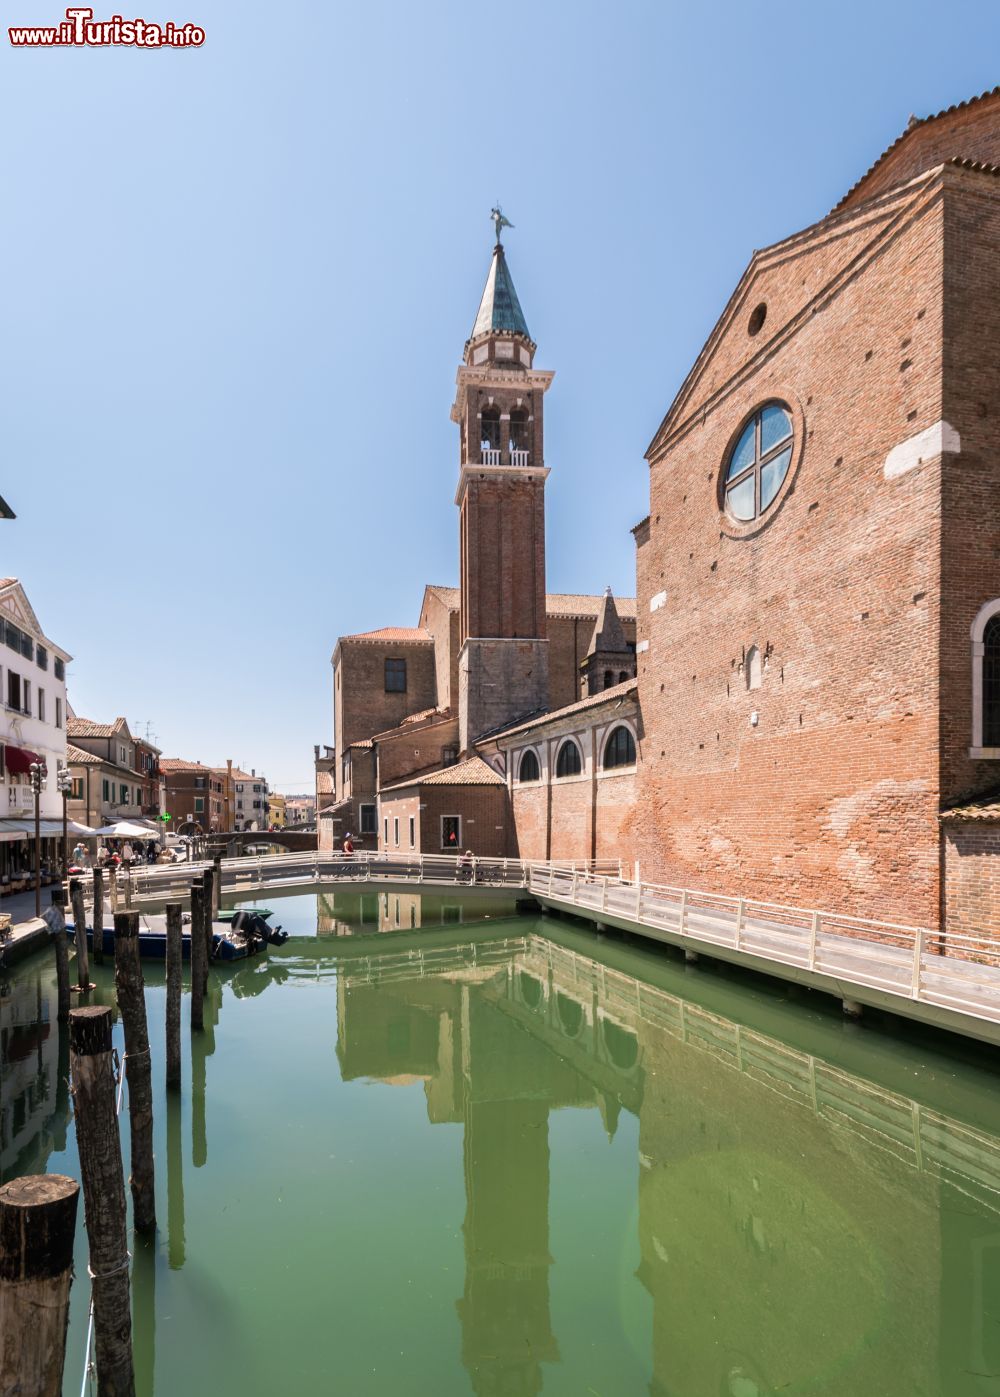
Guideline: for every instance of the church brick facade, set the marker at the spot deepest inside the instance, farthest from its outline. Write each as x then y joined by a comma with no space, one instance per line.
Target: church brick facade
815,714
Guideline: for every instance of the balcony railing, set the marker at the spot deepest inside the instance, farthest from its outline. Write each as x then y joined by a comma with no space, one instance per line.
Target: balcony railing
20,800
493,455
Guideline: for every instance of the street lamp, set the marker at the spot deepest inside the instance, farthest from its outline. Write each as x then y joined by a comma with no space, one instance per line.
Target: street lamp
37,772
65,782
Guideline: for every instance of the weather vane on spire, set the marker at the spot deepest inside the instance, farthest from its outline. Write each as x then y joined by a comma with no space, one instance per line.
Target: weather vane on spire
499,221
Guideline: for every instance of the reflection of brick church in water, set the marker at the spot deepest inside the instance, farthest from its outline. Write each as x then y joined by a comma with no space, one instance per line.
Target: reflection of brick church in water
815,717
741,1187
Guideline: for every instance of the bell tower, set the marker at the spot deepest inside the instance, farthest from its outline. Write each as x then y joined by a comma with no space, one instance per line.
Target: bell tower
503,662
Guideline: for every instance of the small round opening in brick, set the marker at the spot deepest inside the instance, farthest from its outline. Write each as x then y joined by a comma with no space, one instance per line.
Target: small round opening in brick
757,317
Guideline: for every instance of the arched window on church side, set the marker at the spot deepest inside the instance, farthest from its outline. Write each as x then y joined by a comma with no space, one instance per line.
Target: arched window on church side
986,680
568,761
991,682
528,770
620,749
753,668
609,679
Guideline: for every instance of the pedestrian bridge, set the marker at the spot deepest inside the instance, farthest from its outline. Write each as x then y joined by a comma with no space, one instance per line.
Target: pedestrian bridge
949,980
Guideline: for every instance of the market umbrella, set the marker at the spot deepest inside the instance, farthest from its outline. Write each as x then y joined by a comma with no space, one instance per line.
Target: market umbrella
125,829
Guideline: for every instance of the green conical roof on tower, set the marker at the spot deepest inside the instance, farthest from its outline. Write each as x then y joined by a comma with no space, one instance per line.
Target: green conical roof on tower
499,310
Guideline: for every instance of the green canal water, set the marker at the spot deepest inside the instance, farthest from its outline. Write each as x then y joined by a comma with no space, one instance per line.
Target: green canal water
433,1147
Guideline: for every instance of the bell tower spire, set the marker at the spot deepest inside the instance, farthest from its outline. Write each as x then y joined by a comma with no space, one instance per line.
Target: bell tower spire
503,661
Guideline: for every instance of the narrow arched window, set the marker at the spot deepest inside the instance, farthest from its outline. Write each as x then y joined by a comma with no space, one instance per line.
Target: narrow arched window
518,436
609,679
991,682
986,680
623,676
620,749
568,761
753,668
529,769
489,430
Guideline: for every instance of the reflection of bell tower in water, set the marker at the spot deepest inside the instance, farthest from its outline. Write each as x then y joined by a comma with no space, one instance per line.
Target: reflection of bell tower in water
483,1070
506,1326
503,665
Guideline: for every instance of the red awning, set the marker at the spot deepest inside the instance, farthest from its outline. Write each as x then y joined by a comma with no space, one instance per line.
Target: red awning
19,759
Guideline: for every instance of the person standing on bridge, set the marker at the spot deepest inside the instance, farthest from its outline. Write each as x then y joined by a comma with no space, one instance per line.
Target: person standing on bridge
348,843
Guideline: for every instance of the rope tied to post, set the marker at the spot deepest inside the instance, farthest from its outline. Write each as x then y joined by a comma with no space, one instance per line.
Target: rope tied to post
115,1270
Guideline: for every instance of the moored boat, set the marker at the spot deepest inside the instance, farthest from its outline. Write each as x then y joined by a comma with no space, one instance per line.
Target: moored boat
246,934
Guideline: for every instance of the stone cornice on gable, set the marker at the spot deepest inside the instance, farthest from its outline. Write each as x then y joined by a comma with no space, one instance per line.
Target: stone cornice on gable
890,214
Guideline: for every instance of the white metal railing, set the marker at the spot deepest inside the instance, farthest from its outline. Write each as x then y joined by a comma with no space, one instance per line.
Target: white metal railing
955,971
490,456
161,882
519,457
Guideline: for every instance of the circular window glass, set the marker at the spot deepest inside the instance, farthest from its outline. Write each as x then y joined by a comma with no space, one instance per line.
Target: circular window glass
759,462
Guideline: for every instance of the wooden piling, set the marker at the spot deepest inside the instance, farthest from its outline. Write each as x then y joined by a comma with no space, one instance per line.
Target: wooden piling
138,1075
175,973
113,885
197,957
37,1227
208,879
80,929
62,963
99,1148
97,916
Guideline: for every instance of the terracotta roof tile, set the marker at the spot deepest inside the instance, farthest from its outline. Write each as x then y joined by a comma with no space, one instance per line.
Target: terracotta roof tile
472,772
174,764
619,691
84,727
986,807
77,756
556,603
915,124
426,716
411,635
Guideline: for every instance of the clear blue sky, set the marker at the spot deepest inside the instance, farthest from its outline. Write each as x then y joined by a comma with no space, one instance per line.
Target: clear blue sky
239,279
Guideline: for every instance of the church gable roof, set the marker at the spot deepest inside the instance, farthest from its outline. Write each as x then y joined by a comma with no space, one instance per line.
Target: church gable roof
781,289
968,130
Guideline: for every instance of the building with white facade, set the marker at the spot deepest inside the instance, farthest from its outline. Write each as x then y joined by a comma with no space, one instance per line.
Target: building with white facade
32,728
250,800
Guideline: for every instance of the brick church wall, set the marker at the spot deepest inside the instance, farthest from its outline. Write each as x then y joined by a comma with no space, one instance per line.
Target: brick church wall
970,561
972,877
831,800
362,707
487,828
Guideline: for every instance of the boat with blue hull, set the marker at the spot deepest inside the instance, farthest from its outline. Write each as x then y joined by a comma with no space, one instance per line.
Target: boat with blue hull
246,934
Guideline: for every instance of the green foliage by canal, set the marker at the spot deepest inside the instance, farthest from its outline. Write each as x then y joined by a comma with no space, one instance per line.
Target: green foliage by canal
430,1147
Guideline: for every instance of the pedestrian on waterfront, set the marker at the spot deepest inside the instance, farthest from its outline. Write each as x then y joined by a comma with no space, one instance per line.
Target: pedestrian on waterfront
466,865
128,854
80,856
348,843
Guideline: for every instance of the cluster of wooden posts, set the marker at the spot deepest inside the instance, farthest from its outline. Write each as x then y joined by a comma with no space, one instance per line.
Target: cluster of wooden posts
38,1212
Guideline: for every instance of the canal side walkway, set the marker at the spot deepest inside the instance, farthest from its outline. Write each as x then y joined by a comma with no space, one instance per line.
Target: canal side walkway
950,981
